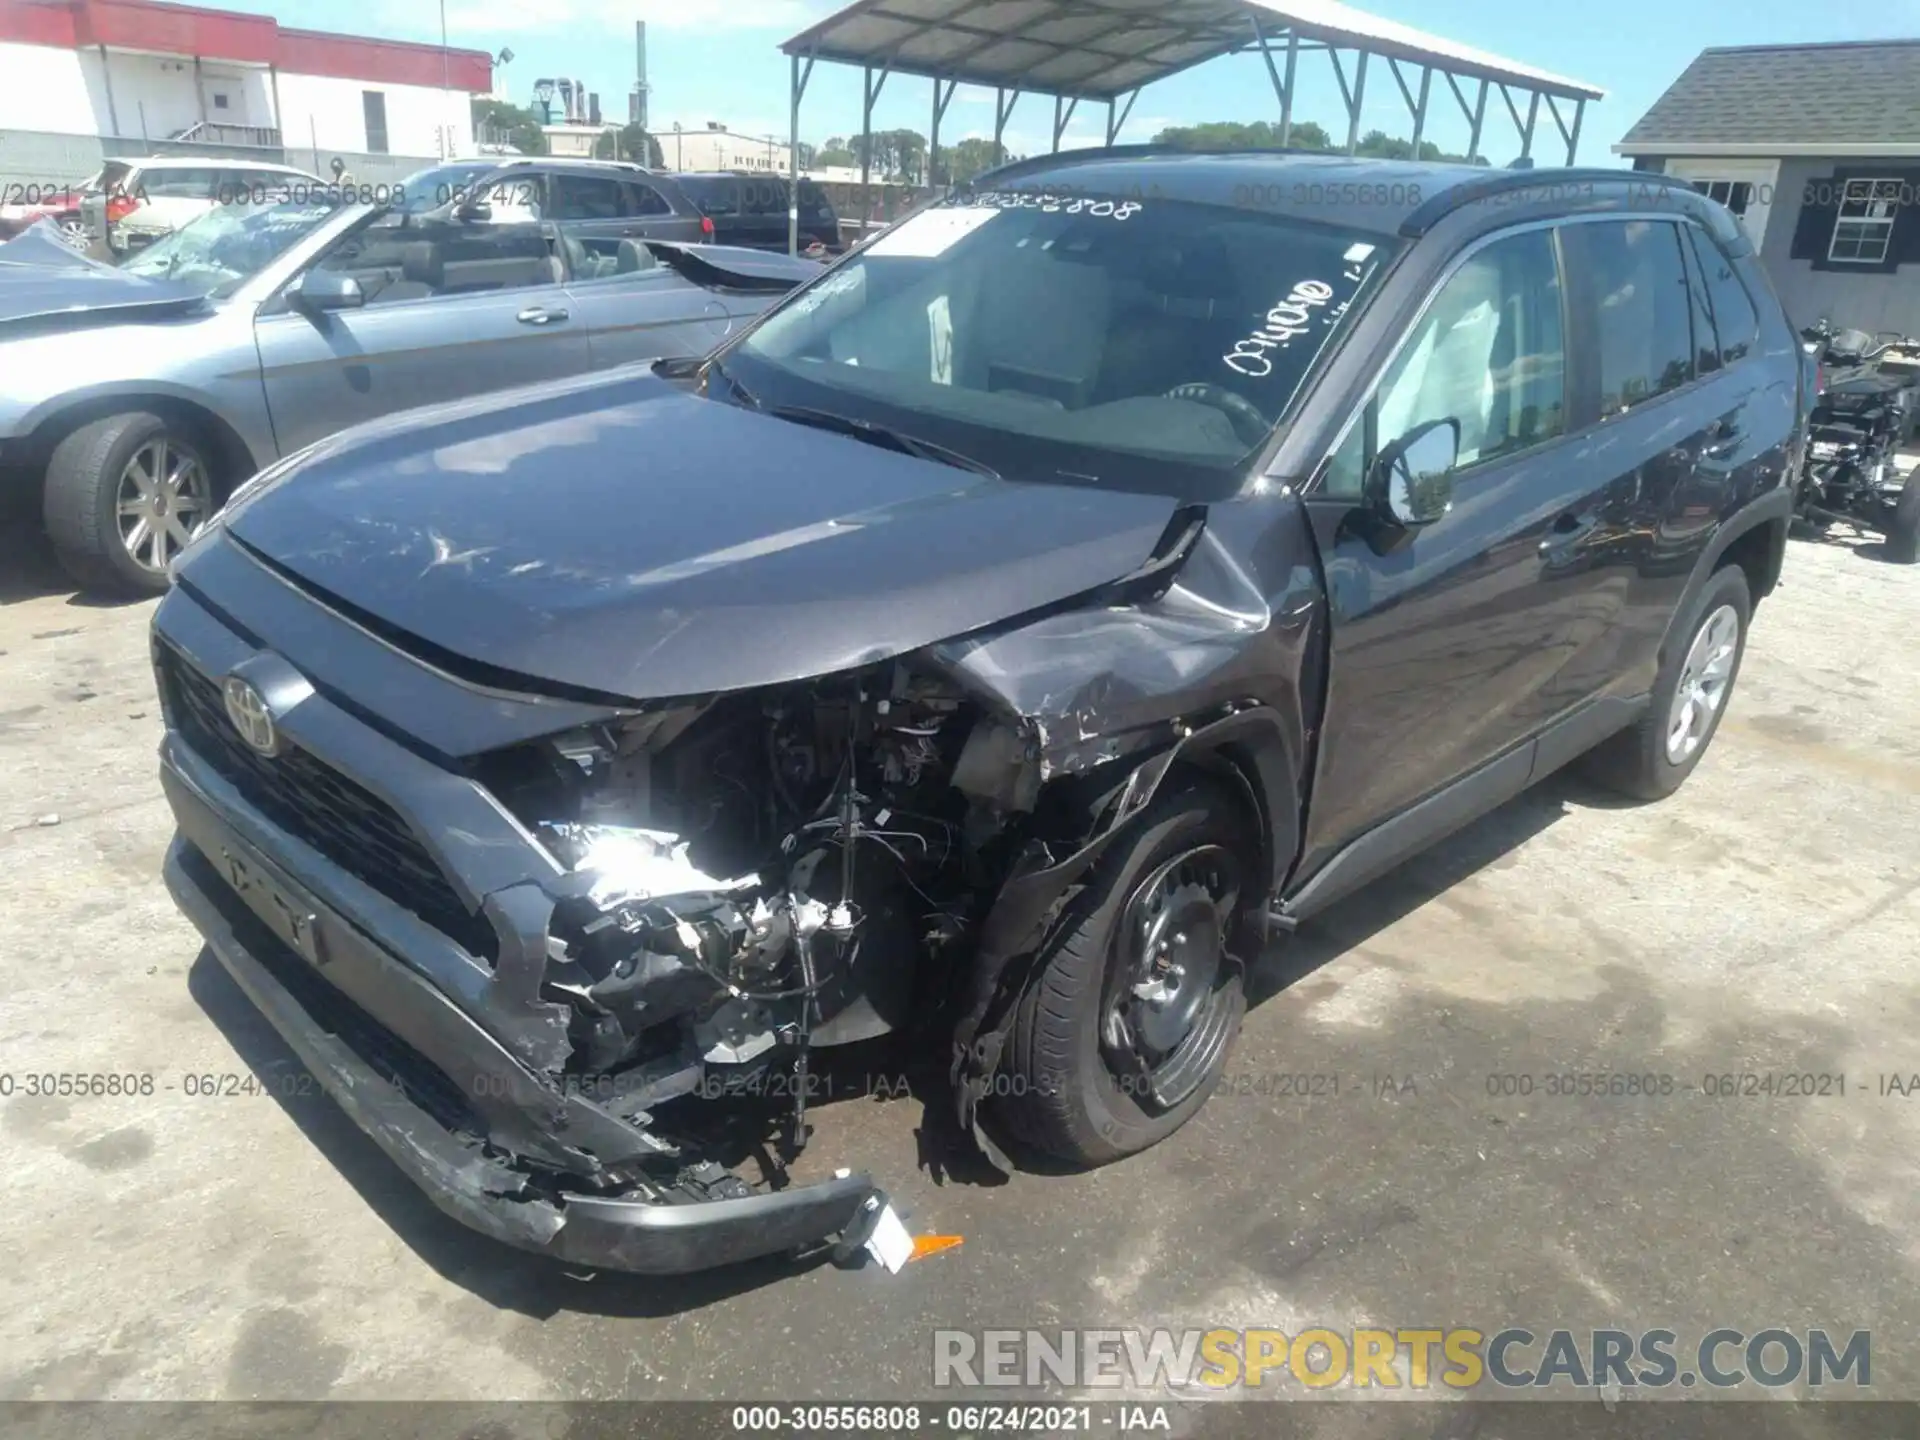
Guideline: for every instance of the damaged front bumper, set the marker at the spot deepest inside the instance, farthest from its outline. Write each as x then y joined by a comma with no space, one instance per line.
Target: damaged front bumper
427,1084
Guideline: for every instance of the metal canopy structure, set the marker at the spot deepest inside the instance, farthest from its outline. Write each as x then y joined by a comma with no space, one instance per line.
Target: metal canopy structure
1106,51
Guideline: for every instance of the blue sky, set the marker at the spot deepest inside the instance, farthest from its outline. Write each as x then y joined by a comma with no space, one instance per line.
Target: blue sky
720,60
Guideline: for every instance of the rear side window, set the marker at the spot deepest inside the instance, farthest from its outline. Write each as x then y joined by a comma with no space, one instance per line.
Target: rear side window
715,195
1735,320
763,197
814,202
179,184
645,200
584,197
1637,283
1706,350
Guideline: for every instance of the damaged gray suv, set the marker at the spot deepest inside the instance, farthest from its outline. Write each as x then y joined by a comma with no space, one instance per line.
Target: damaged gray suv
1071,589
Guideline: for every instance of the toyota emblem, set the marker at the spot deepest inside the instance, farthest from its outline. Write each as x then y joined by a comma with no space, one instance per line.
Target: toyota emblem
247,709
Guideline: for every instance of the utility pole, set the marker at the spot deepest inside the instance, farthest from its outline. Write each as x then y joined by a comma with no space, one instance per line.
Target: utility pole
446,89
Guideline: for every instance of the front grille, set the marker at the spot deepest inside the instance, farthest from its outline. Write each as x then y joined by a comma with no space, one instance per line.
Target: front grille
310,800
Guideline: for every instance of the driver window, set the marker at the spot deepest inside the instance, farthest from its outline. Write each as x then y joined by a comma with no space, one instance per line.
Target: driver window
421,261
1488,353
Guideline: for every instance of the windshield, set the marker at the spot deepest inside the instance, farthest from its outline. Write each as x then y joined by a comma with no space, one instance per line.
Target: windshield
223,249
1139,344
438,185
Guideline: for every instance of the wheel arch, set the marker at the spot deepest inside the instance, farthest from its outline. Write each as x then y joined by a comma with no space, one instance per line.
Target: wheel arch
1753,538
233,459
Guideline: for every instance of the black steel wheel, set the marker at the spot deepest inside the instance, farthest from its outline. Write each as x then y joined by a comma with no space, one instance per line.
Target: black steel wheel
1124,1030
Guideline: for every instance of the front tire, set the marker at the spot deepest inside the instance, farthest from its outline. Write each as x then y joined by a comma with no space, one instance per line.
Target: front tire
122,496
1125,1029
1903,527
1652,758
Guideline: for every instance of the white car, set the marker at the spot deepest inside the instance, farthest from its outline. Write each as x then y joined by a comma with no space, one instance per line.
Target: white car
132,203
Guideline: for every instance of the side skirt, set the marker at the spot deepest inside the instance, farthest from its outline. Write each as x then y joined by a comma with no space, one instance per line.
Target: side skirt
1372,854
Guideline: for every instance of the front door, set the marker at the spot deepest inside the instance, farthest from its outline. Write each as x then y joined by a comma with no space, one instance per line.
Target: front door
452,309
1446,639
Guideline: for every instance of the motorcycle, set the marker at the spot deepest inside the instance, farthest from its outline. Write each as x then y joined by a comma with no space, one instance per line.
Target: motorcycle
1861,417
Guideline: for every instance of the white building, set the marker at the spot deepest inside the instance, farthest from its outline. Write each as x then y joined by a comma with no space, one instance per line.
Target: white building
712,146
132,74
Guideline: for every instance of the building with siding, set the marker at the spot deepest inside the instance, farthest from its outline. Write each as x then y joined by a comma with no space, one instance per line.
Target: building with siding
1817,149
82,80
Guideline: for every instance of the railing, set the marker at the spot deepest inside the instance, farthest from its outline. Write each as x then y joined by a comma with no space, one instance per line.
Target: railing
213,132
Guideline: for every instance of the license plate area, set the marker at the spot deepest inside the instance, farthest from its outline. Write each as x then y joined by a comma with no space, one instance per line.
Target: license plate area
289,918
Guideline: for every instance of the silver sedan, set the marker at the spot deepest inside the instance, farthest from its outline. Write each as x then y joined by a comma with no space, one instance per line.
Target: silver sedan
137,397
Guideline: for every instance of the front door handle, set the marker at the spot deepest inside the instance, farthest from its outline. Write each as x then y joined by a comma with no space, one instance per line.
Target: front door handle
540,315
1569,529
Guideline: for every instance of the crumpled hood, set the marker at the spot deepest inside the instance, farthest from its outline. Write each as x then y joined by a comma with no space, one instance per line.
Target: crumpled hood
42,277
619,535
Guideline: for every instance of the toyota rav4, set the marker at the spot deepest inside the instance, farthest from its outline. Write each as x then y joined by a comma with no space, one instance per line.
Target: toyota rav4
997,644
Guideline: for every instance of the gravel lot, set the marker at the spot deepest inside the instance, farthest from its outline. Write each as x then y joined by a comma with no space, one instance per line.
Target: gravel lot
184,1247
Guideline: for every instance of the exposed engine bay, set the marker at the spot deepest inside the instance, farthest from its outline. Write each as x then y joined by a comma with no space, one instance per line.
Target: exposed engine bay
760,875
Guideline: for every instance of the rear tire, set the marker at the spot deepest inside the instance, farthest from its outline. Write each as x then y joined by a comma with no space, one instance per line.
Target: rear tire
99,480
1903,529
1059,1086
1652,758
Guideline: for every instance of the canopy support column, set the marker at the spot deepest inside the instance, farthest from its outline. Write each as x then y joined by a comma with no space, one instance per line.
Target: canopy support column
1115,122
1002,112
869,92
1354,95
797,88
1062,118
940,103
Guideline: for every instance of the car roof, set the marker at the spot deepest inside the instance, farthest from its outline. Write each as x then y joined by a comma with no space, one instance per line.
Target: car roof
1385,196
549,162
197,162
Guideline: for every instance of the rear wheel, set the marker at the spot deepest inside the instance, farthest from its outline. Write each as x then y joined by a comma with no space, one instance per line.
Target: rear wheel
1125,1030
1652,759
123,496
1903,526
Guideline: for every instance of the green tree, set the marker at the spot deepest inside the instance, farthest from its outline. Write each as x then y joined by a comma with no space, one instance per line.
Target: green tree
630,142
496,122
1238,135
835,152
967,158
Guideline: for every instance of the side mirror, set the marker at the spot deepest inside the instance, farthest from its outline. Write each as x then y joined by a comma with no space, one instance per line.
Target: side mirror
474,211
1413,475
320,290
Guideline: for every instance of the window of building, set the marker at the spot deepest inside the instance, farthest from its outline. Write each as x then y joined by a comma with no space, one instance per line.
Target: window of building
1488,353
374,103
1736,195
1863,226
1638,285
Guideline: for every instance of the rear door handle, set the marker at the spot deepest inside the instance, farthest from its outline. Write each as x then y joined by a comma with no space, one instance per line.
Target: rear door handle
540,315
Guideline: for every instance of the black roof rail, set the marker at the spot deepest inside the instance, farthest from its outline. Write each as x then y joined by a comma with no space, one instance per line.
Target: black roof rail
1148,151
1496,183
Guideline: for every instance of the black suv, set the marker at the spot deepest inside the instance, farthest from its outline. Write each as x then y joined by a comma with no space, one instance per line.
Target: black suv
1073,588
749,208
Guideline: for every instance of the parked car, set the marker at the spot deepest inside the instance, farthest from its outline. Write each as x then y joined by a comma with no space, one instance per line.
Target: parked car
137,397
750,208
598,202
27,204
993,645
132,203
604,201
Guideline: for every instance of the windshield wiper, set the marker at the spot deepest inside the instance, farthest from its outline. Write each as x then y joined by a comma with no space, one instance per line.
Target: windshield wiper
876,434
744,395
